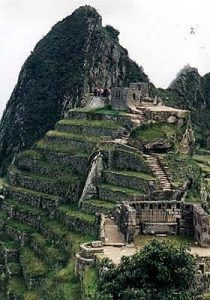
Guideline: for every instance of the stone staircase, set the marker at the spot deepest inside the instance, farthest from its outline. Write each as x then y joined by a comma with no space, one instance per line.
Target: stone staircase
159,172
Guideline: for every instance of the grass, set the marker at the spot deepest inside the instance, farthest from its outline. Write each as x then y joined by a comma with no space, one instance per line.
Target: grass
89,123
89,283
25,208
16,287
73,137
64,179
134,174
49,252
15,268
205,159
30,154
103,111
142,240
154,131
32,265
208,184
20,227
75,213
102,204
115,188
33,193
55,147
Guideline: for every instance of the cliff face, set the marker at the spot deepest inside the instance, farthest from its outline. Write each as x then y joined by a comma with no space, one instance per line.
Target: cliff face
77,55
191,91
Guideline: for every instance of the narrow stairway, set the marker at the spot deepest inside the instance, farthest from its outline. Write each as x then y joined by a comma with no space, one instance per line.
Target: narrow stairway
159,172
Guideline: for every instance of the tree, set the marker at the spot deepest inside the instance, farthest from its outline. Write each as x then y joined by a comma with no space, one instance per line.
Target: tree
161,271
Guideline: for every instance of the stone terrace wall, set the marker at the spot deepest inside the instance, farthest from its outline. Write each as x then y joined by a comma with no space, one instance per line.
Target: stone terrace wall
201,225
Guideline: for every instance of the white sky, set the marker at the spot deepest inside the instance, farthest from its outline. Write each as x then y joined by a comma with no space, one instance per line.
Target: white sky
157,34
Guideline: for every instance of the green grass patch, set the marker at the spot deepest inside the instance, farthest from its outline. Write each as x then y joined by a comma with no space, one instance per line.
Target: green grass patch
23,228
13,267
89,283
75,213
32,193
25,208
151,132
134,174
52,146
142,240
101,203
205,159
73,137
32,153
32,265
91,123
16,287
115,188
108,110
70,179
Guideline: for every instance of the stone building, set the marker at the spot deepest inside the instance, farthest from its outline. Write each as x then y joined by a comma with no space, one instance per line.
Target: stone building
124,97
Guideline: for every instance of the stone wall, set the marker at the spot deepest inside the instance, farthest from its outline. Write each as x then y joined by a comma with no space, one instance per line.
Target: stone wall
201,225
119,98
171,116
151,217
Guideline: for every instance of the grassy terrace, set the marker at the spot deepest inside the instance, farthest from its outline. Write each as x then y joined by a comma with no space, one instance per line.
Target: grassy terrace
51,253
41,163
30,154
32,265
73,137
114,188
133,174
25,208
75,213
205,159
154,131
103,111
45,145
54,228
68,178
101,203
89,123
23,228
142,240
32,193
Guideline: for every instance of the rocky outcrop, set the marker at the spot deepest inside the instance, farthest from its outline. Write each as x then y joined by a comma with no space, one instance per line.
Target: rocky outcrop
191,91
77,55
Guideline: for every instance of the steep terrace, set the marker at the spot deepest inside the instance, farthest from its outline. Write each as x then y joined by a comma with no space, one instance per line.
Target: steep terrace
42,189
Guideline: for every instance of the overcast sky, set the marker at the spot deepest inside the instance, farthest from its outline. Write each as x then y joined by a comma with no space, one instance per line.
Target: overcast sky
161,35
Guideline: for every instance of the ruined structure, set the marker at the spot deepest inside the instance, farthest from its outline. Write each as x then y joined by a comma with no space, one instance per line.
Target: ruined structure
89,179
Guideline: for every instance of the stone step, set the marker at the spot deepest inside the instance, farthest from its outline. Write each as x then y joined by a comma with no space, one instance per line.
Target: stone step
133,180
97,206
77,221
22,213
91,128
68,187
86,143
117,194
33,198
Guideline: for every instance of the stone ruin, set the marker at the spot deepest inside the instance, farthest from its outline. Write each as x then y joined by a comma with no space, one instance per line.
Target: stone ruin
123,98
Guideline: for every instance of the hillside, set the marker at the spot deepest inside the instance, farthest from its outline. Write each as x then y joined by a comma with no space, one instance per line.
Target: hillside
191,91
76,56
